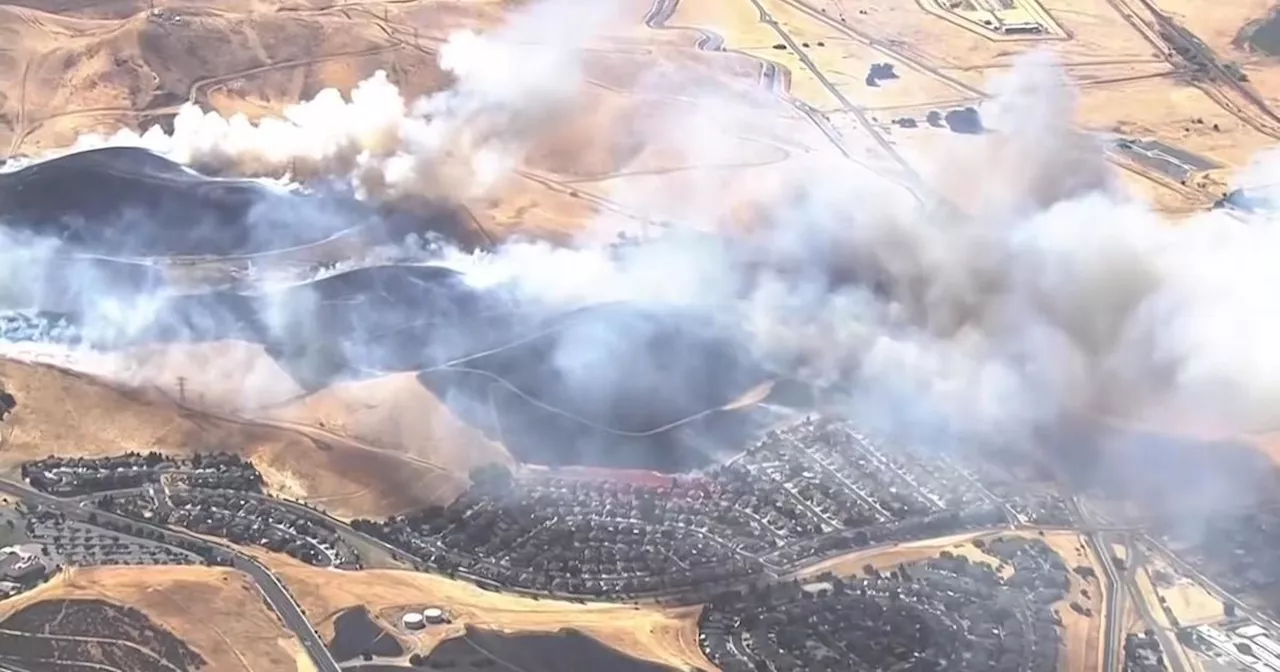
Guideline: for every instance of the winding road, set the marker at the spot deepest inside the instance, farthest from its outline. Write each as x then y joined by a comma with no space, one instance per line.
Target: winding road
272,589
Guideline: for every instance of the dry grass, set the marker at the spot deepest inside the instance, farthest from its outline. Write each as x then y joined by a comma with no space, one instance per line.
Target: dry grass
1190,603
218,612
1126,86
1084,635
64,74
65,413
665,636
394,412
1149,594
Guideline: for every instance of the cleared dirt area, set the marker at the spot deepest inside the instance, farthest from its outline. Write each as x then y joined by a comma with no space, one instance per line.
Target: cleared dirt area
664,636
66,413
887,558
1189,603
1150,595
217,612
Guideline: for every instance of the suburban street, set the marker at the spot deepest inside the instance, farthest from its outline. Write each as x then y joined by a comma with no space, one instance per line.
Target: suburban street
274,591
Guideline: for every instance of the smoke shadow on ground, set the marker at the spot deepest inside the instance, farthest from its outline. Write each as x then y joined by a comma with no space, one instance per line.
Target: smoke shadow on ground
1174,477
363,322
479,649
382,319
617,386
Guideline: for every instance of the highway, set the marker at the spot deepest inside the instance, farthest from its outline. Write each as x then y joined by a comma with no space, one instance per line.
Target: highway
274,592
1113,597
1113,610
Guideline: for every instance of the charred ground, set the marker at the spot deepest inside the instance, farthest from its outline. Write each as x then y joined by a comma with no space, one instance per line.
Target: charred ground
615,386
127,202
86,633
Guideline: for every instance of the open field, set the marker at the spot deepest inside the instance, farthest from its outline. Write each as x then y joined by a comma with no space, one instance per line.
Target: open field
944,65
1084,635
72,69
1188,602
217,612
1150,594
664,636
66,413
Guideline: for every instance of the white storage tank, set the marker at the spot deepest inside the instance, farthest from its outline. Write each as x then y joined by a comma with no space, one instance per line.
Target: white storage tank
412,621
433,615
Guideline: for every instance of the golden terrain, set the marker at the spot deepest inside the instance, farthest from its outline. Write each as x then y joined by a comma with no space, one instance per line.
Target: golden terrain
218,612
67,413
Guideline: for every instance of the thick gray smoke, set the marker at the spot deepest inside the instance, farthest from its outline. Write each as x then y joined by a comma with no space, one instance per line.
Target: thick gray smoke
1048,292
1054,293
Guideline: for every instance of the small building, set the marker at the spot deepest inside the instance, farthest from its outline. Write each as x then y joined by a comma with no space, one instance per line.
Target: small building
1022,28
21,565
1250,631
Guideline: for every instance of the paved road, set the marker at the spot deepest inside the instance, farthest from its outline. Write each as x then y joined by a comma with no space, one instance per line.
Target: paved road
1113,610
289,611
1113,596
274,592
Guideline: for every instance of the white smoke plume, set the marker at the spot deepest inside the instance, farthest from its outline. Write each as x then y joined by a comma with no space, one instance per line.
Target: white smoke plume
508,85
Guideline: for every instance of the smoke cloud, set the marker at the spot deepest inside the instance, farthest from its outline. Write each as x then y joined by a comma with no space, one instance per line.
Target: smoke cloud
1049,294
508,86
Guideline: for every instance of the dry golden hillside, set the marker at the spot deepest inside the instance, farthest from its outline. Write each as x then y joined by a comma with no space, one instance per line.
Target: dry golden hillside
118,65
225,376
397,413
65,413
392,413
218,612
